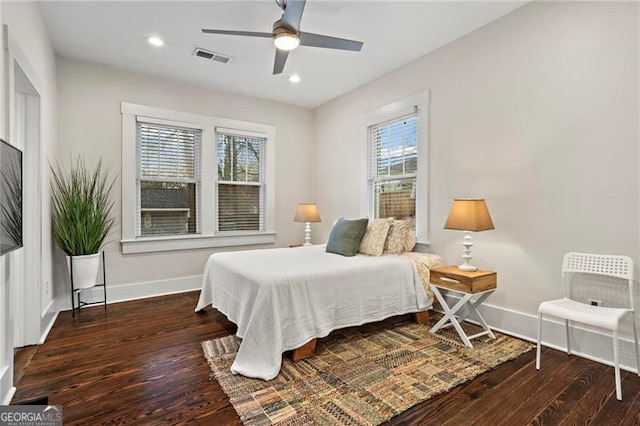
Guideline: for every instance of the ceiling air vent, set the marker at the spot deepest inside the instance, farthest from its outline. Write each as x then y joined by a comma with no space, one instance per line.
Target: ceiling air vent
212,56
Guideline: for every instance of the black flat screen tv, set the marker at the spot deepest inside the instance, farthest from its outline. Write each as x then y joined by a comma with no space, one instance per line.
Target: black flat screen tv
10,198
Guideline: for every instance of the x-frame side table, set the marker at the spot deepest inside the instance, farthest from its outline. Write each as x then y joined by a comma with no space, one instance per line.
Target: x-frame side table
474,287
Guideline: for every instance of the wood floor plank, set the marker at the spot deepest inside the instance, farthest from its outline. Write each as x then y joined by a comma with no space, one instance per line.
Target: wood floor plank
141,362
625,411
566,404
525,399
487,408
602,388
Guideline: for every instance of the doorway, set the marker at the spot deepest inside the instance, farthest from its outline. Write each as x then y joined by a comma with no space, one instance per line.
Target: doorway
23,121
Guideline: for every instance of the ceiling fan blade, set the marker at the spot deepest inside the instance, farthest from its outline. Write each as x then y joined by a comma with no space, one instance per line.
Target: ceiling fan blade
293,14
240,33
281,59
318,40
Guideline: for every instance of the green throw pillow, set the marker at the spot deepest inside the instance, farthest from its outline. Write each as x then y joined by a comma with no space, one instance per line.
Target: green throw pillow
346,235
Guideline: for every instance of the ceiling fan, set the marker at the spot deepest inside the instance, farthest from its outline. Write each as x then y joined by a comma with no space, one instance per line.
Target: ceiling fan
287,36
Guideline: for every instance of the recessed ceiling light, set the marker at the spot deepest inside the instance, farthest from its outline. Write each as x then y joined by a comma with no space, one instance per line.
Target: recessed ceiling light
156,41
294,78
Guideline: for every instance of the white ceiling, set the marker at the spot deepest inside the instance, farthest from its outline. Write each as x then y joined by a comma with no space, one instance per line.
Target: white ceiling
394,33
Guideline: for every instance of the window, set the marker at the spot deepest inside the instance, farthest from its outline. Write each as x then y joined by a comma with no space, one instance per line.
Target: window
393,164
396,148
240,183
193,181
168,181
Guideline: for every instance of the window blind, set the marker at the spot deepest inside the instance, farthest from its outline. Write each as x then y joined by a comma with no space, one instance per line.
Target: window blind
393,164
241,188
168,179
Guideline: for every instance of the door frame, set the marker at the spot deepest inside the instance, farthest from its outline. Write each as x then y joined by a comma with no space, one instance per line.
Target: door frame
23,94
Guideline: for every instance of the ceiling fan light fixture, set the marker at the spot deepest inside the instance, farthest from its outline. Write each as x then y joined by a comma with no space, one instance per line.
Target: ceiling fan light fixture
286,41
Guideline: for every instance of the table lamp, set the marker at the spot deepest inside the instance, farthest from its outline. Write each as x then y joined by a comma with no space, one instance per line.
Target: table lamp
307,213
468,215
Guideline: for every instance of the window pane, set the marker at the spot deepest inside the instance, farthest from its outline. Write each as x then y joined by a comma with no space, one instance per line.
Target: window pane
167,208
395,198
239,207
225,157
394,148
167,152
410,145
253,160
239,158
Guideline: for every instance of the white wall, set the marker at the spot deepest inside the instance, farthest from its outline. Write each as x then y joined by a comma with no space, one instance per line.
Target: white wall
538,114
25,25
90,124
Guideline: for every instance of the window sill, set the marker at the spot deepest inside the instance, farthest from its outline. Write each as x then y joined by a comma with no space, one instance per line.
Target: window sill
422,247
191,242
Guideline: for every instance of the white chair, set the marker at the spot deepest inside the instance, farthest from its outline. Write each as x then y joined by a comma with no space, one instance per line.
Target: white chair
598,316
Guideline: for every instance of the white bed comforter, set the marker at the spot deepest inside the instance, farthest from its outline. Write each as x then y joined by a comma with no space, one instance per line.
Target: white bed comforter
282,298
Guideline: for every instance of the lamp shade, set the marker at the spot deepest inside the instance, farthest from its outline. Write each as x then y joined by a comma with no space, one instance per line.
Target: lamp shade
307,212
469,215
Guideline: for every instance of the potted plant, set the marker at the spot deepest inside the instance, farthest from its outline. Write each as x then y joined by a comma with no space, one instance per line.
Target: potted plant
82,217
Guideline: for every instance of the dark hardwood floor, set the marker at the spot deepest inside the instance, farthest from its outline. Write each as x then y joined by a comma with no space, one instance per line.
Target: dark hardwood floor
140,362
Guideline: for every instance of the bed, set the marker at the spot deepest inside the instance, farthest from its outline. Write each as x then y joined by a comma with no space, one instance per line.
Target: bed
282,298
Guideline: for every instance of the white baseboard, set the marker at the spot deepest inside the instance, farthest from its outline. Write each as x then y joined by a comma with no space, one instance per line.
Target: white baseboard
47,320
7,390
134,291
9,396
594,345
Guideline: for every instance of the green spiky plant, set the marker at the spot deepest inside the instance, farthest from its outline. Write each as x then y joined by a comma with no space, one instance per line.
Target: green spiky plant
11,209
81,207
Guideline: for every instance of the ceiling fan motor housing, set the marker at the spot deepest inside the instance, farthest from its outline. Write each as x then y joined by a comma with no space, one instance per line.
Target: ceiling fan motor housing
279,27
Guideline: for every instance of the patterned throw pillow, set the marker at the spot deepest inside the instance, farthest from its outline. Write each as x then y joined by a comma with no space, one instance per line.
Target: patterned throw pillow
411,242
397,239
373,240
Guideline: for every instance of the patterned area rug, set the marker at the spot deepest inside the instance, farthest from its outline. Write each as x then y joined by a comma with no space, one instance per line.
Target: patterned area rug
361,375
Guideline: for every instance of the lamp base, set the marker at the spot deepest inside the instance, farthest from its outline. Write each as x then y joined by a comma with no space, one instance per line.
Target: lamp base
467,267
467,244
307,234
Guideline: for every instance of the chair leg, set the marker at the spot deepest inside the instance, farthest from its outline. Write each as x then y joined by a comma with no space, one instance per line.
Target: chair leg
616,361
539,342
635,337
566,327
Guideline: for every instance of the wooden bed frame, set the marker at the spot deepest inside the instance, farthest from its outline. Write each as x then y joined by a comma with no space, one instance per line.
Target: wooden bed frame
309,348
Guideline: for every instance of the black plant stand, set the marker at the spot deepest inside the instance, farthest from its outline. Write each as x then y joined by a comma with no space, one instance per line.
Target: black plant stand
76,293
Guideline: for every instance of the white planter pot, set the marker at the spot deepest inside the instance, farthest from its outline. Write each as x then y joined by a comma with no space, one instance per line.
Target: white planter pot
85,270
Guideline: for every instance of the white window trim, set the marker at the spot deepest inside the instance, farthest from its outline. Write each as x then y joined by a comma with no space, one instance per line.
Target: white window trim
207,237
389,112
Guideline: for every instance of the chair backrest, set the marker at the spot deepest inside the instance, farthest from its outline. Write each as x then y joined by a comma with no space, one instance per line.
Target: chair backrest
600,264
